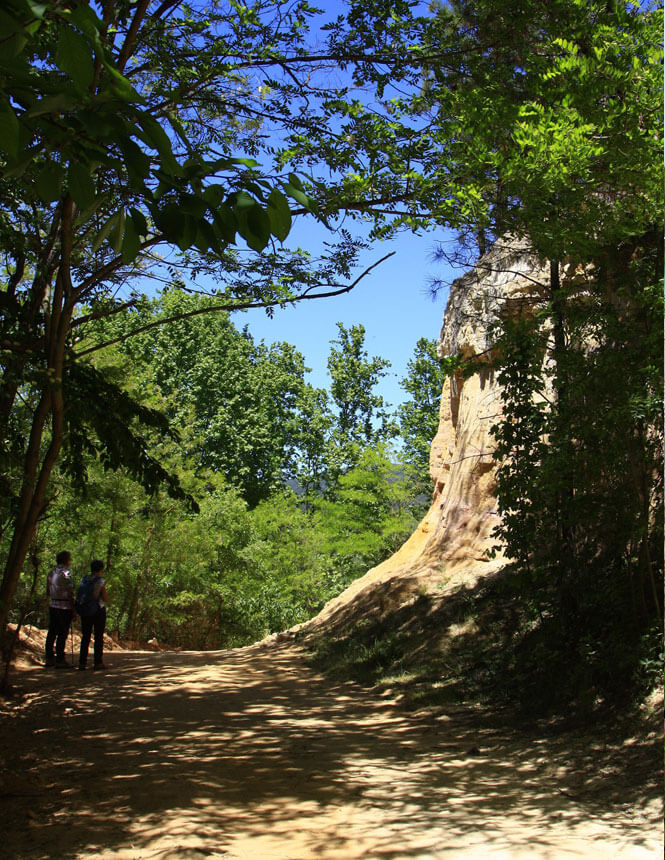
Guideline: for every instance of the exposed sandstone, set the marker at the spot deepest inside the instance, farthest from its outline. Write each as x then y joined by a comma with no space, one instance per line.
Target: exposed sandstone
451,544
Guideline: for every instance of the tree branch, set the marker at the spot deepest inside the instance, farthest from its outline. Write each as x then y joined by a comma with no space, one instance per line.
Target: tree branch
229,308
132,33
98,315
110,267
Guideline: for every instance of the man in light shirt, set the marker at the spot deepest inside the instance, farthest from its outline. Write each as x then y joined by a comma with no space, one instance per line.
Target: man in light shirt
60,591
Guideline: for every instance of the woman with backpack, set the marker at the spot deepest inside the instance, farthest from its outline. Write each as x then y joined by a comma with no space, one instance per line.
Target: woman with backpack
91,602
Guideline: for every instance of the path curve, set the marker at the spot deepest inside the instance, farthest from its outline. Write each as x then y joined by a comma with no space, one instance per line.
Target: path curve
250,754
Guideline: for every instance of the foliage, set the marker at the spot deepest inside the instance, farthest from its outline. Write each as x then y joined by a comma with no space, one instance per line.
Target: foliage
373,510
362,419
367,657
520,128
506,117
419,416
227,574
241,401
579,487
110,114
297,566
521,446
124,139
119,158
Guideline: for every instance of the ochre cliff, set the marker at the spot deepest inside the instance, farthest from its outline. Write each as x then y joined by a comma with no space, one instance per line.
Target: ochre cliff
450,545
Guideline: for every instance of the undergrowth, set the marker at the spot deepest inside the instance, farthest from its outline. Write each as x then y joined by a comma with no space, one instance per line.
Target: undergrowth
485,647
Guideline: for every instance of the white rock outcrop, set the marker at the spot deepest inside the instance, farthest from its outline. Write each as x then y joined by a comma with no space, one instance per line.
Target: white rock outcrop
451,543
505,282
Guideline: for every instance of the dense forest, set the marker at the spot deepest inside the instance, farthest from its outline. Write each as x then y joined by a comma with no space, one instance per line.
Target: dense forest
146,142
286,493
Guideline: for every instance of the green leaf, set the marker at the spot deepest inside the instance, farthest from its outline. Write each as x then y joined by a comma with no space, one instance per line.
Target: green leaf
9,131
118,231
294,180
218,164
259,224
81,185
191,204
75,58
169,221
87,22
279,214
105,231
300,196
140,222
246,162
158,139
253,222
225,224
254,227
214,194
121,86
206,238
13,36
179,129
12,46
131,243
99,125
61,102
37,9
49,182
177,227
86,214
136,161
242,202
188,230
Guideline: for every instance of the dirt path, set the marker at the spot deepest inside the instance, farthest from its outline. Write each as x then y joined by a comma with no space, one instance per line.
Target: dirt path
250,754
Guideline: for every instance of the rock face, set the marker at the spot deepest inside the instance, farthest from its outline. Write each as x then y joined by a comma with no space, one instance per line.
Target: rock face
450,545
464,512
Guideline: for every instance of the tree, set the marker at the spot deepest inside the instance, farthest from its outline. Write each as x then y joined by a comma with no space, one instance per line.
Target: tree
313,471
118,142
582,504
505,118
419,416
534,120
298,572
373,511
583,81
241,400
118,138
362,419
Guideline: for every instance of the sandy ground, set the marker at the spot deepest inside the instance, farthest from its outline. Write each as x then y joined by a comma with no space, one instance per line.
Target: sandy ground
251,754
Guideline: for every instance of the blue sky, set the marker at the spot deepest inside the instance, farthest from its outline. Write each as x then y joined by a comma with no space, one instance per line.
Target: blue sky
393,303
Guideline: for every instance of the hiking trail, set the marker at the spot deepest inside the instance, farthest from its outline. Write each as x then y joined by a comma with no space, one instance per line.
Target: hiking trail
249,753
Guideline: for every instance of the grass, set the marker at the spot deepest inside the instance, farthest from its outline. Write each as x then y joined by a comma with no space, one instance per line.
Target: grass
432,652
476,647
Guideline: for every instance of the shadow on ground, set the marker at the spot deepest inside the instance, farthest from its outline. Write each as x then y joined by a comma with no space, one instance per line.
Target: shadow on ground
190,754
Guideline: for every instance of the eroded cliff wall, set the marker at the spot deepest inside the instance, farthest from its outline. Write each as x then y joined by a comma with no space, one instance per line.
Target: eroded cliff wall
450,545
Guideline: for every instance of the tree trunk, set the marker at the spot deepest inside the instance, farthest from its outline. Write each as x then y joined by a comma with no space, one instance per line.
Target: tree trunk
4,684
32,498
565,547
38,466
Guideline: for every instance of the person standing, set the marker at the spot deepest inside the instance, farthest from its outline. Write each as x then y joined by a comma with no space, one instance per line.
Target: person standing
92,601
60,592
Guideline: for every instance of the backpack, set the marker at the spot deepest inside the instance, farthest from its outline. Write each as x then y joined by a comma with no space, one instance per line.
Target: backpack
87,596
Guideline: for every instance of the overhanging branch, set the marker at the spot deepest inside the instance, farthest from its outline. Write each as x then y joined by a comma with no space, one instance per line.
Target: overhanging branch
235,306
